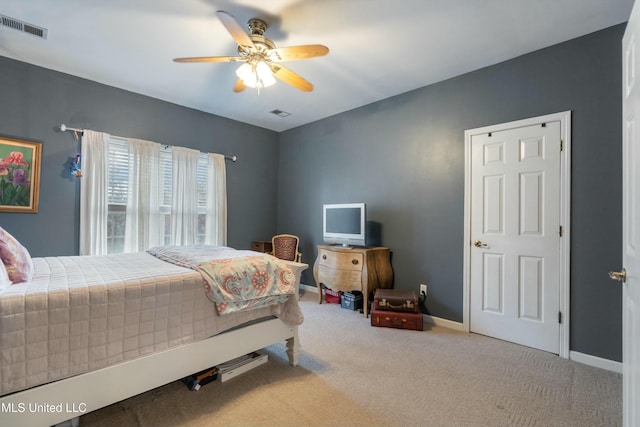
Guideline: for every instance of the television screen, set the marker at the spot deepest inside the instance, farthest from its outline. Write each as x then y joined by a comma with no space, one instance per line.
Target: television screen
343,220
344,224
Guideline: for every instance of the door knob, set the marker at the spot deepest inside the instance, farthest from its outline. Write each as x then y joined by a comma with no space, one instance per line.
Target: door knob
620,276
479,244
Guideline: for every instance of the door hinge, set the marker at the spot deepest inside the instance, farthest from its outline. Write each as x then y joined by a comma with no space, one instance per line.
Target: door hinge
560,317
561,145
560,231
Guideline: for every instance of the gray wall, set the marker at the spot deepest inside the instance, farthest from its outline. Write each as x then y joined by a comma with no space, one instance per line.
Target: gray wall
404,157
35,101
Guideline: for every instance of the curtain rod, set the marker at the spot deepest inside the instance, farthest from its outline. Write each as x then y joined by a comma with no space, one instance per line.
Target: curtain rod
65,128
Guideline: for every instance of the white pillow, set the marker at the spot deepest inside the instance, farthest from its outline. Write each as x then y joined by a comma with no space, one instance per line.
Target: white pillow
16,258
4,277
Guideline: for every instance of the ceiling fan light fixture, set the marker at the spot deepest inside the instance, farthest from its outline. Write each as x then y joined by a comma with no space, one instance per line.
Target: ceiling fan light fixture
256,74
262,58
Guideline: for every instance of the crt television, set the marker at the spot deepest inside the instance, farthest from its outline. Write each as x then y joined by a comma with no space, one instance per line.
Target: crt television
344,224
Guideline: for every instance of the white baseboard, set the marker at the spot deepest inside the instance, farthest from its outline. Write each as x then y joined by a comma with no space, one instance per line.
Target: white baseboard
587,359
598,362
309,288
445,323
438,321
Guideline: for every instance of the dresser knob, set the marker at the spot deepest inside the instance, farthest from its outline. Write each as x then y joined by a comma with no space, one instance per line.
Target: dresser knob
324,257
354,261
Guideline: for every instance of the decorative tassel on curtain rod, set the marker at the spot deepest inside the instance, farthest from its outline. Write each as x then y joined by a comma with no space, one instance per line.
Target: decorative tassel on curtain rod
64,128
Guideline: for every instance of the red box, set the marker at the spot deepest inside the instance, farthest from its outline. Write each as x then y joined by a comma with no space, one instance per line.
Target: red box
332,297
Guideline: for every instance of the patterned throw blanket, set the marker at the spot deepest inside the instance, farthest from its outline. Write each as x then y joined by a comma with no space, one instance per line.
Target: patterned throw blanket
235,280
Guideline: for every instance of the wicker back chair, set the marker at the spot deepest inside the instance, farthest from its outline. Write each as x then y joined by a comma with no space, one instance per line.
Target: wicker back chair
285,246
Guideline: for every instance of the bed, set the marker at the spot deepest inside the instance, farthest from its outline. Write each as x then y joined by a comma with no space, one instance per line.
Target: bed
88,331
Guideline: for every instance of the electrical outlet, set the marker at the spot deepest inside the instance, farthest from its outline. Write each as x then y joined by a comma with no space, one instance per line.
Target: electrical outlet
423,289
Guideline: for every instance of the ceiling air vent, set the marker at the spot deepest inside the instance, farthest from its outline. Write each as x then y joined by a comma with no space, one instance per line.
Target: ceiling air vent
280,113
19,25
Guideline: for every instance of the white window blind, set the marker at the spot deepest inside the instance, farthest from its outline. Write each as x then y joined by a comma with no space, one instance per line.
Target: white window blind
117,190
118,171
202,172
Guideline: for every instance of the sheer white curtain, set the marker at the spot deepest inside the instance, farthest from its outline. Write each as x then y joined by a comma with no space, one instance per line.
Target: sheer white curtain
144,228
93,193
135,172
184,201
216,225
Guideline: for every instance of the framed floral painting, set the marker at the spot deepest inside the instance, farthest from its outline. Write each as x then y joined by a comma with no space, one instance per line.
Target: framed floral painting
19,175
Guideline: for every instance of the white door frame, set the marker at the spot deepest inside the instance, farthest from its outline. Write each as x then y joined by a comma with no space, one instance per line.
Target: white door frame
630,232
565,216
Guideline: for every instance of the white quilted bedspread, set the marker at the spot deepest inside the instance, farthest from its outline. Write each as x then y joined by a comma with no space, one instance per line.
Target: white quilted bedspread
84,313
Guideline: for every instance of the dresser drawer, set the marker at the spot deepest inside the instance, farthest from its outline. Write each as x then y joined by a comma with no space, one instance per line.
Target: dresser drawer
340,280
261,246
362,269
341,260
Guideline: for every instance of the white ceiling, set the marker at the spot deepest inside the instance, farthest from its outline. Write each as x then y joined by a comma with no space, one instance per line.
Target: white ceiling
378,48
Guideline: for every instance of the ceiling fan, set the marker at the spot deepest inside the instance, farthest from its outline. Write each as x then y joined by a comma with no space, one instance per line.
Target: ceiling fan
262,60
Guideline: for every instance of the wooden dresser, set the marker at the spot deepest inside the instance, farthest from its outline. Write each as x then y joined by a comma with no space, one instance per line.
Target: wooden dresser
347,269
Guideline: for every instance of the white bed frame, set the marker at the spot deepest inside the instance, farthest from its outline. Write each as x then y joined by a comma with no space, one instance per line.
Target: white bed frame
71,397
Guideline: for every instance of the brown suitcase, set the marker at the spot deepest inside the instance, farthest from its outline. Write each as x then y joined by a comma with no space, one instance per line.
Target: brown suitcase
396,300
395,319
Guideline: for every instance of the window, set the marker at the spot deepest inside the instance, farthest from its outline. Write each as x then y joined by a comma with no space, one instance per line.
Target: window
119,165
118,184
136,195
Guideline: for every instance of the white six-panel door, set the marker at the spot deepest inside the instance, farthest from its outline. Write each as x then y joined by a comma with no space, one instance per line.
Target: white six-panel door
629,274
515,235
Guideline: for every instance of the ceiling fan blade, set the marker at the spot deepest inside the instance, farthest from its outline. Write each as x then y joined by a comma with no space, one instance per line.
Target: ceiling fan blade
289,77
235,29
240,86
293,53
211,59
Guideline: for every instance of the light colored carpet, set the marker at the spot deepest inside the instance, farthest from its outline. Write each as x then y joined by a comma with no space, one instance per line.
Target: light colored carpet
352,374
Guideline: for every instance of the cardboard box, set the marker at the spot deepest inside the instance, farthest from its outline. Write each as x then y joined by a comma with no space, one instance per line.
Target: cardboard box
195,381
240,365
331,296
